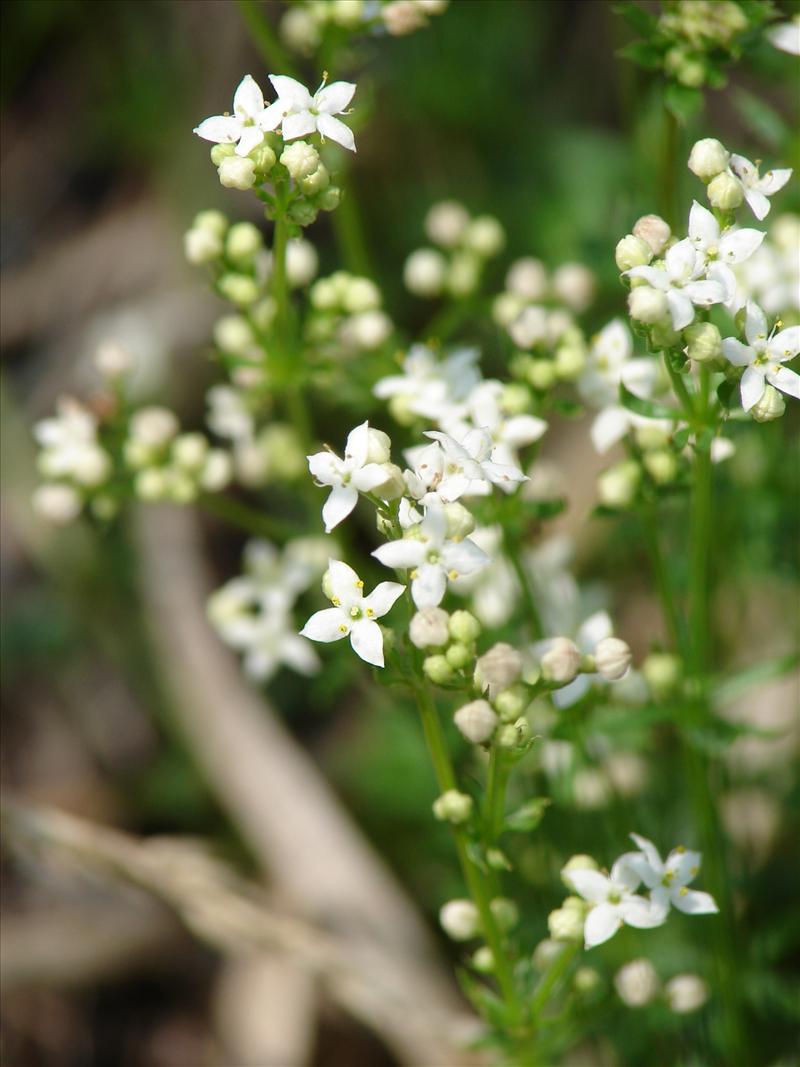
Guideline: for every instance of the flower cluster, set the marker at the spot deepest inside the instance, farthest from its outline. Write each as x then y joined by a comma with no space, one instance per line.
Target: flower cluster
463,247
346,317
72,461
306,23
731,179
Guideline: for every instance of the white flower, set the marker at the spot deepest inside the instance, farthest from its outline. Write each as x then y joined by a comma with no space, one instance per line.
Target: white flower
246,126
69,445
473,459
681,280
786,36
431,556
762,357
347,477
298,113
508,433
719,250
668,880
756,188
432,388
228,413
353,615
613,901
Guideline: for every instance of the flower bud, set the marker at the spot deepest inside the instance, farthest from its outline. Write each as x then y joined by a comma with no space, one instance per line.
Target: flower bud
654,231
650,436
237,172
217,471
546,953
498,668
464,627
585,980
562,661
574,284
428,628
498,860
240,289
178,486
616,487
361,294
263,158
153,426
662,335
541,373
483,960
347,13
578,862
112,360
569,362
150,484
220,152
662,673
303,212
708,158
234,335
516,399
661,465
632,251
462,277
437,669
189,451
201,246
510,703
647,305
460,521
476,721
505,308
243,241
506,913
300,30
460,920
637,983
565,924
485,236
703,342
686,993
453,807
214,221
512,735
301,159
530,327
612,657
527,278
769,406
57,503
725,192
459,656
401,17
446,223
424,272
316,182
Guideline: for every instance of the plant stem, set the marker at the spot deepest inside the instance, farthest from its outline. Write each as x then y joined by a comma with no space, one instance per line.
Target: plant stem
445,776
265,39
246,518
531,611
671,614
495,800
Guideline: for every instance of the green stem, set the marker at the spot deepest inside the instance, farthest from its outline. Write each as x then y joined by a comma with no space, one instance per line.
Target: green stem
265,39
445,776
246,518
668,604
495,800
531,611
681,391
280,283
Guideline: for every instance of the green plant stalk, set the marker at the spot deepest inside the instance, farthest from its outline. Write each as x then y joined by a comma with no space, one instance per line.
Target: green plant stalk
264,38
669,606
532,615
478,890
495,800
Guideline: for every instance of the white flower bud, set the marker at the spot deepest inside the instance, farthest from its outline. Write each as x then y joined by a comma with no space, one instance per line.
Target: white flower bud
632,251
769,406
460,920
725,192
361,294
91,466
485,236
424,272
429,628
437,669
446,223
530,327
708,158
464,627
217,471
661,465
462,277
112,360
704,343
612,657
506,307
301,262
566,924
506,913
234,335
527,278
243,242
433,7
647,305
453,807
300,158
637,983
616,487
562,661
57,503
367,331
483,960
460,521
179,487
546,953
237,172
214,221
402,16
300,31
686,993
201,246
150,484
476,721
498,668
347,13
591,789
240,289
263,158
574,284
579,862
586,980
153,426
654,231
190,450
662,673
317,181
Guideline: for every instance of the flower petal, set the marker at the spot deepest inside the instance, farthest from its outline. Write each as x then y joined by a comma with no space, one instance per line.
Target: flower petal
609,427
744,170
703,227
292,93
740,245
335,97
704,294
341,501
759,204
521,430
326,625
788,381
683,865
298,654
680,307
248,100
602,923
251,137
337,131
325,467
737,353
345,584
785,345
382,597
402,554
272,116
774,180
681,261
752,386
463,557
693,902
369,477
638,912
624,870
427,589
755,323
298,124
650,852
591,885
503,476
367,641
655,276
222,129
786,37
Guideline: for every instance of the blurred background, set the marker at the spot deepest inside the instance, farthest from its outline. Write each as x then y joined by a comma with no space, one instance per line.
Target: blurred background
117,697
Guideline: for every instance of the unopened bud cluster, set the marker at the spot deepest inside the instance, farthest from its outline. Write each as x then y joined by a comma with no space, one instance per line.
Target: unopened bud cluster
347,315
464,245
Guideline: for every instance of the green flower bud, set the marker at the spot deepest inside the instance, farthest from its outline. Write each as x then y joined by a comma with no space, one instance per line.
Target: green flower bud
617,486
506,736
483,960
632,251
725,192
704,343
437,669
303,213
516,399
233,334
647,305
201,246
662,335
485,236
662,672
579,862
541,374
214,221
189,451
650,437
301,159
263,157
459,656
453,807
661,465
586,980
181,489
150,484
329,199
506,913
498,860
570,361
243,242
240,289
511,702
565,924
237,172
316,182
220,152
770,406
460,521
464,627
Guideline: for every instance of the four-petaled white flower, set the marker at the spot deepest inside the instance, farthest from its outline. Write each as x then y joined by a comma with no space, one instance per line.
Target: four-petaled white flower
431,556
246,126
353,615
682,282
347,477
763,356
756,188
720,250
433,388
668,880
472,460
508,433
298,113
613,901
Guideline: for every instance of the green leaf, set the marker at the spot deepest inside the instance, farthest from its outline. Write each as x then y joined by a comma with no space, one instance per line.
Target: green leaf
637,18
728,393
545,509
475,853
643,54
682,101
648,408
485,1002
528,817
681,438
